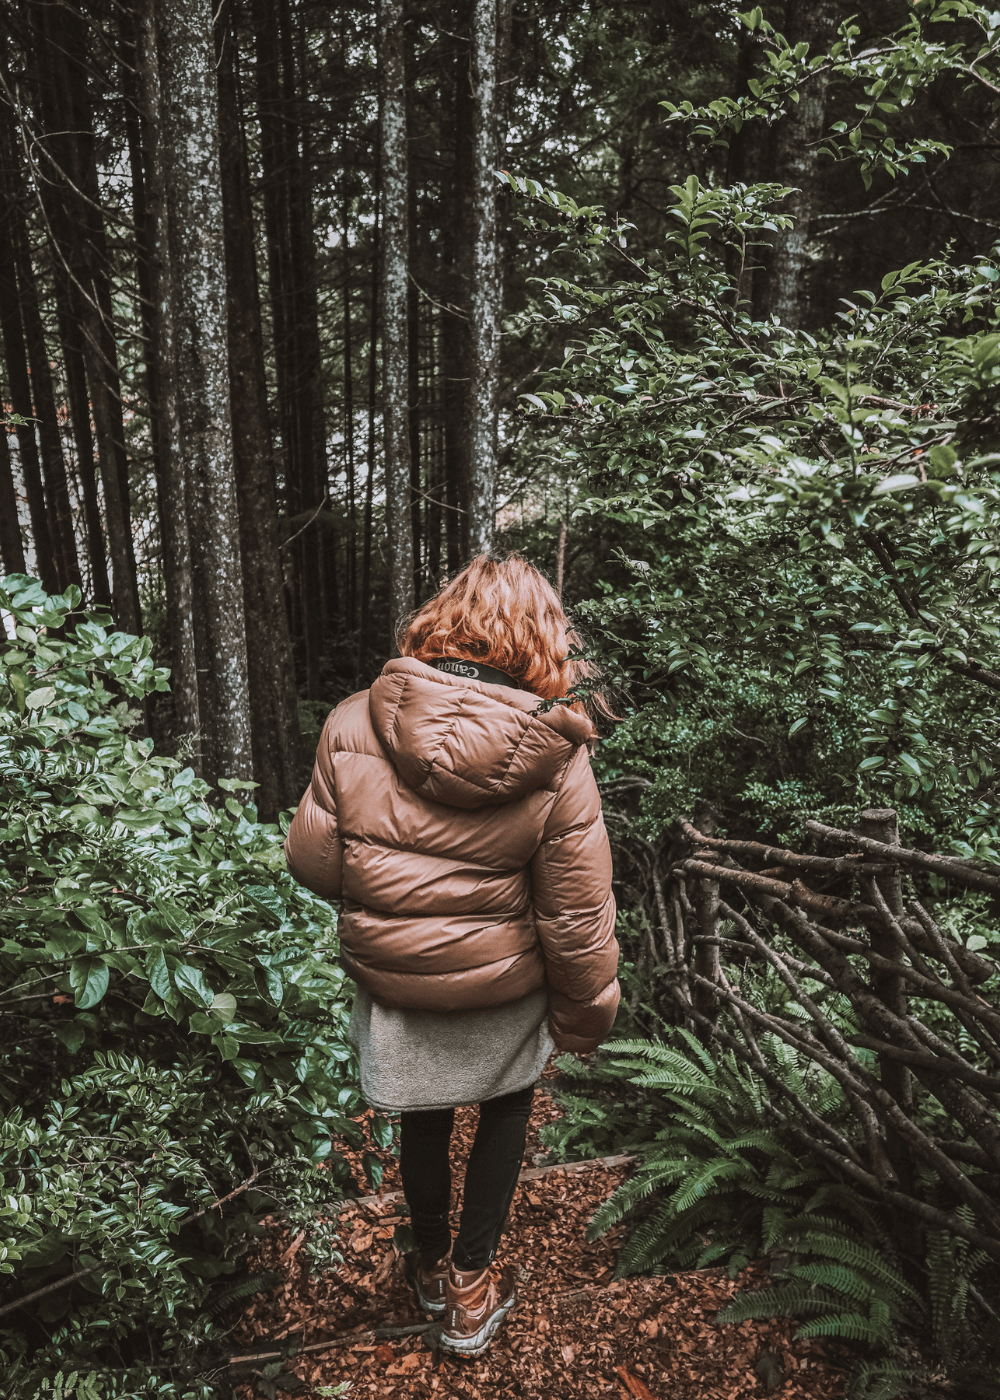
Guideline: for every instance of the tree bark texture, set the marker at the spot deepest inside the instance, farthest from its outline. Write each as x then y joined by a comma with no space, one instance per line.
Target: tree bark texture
198,285
67,186
71,340
456,346
11,545
273,705
41,395
373,339
487,33
749,151
349,461
175,537
813,22
395,329
287,191
20,400
49,439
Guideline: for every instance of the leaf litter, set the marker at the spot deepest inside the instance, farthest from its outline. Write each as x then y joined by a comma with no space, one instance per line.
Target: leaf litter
575,1332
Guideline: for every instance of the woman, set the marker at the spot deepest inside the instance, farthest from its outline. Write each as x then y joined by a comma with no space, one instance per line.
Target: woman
457,817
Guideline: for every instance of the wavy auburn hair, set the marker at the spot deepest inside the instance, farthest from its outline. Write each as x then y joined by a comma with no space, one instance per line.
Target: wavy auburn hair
504,613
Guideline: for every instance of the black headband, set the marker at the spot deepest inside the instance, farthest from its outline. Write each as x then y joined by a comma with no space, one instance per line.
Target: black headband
473,671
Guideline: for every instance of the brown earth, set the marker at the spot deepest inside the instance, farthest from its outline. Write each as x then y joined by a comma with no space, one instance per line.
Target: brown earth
574,1333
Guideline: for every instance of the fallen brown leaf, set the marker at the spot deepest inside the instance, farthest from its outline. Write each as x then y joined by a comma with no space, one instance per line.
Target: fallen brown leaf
634,1385
576,1334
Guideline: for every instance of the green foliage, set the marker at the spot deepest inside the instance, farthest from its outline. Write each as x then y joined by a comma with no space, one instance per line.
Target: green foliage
175,1056
882,79
722,1178
812,560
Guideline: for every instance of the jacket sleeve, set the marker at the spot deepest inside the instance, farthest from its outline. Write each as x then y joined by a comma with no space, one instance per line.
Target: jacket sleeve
313,848
575,913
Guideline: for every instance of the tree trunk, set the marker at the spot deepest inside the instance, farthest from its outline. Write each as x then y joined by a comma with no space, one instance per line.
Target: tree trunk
175,538
11,546
20,399
413,379
71,340
274,727
317,582
373,332
59,512
294,319
349,464
49,440
70,194
395,331
796,163
748,165
486,290
456,348
197,247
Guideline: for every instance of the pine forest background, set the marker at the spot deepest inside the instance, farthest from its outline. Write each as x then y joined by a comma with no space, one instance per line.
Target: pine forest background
349,233
302,305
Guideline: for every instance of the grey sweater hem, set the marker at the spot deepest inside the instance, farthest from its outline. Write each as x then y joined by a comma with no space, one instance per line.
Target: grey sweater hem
416,1061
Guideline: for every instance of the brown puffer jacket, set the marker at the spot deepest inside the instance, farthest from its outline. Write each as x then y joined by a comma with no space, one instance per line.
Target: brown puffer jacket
462,828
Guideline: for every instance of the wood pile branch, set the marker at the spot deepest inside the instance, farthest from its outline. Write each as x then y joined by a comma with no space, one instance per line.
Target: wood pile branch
886,956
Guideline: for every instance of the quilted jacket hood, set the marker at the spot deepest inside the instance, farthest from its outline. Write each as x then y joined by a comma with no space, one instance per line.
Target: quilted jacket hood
467,744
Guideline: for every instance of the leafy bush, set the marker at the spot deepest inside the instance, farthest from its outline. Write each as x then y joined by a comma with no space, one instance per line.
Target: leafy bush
810,598
722,1179
175,1059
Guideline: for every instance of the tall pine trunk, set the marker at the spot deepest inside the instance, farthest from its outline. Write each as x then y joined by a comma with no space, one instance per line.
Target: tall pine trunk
274,727
71,198
19,385
197,247
373,339
14,191
71,341
287,191
487,35
11,545
351,606
456,346
175,537
796,159
49,438
395,327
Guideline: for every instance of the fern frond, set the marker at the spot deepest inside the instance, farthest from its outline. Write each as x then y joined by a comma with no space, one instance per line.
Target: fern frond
789,1300
239,1291
836,1277
881,1380
848,1326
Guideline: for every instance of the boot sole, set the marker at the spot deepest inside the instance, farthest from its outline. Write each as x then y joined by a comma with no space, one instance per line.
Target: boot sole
425,1304
422,1302
479,1341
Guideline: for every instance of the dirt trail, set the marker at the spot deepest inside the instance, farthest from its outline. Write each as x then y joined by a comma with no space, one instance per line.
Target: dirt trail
574,1332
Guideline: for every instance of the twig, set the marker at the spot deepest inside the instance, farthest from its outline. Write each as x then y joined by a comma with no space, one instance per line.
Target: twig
951,866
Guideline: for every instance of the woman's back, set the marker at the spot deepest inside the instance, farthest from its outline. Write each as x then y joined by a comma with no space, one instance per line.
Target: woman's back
462,827
455,814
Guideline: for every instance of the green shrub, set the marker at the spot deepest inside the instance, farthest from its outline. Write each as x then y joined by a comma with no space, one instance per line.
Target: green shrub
722,1178
175,1058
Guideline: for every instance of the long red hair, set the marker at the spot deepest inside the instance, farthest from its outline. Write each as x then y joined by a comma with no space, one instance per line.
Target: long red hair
506,614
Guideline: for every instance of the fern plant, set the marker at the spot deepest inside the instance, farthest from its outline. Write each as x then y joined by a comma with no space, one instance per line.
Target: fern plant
722,1180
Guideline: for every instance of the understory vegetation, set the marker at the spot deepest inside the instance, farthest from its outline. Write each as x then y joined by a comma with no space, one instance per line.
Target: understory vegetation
805,611
175,1060
775,515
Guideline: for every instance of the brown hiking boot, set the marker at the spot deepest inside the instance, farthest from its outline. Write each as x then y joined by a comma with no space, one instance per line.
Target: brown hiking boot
476,1303
428,1281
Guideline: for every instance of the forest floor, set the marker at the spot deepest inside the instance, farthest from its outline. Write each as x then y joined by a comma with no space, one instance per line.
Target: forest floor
574,1332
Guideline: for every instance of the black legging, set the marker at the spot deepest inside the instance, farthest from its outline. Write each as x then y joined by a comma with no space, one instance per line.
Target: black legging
490,1177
